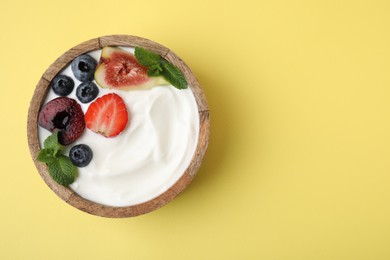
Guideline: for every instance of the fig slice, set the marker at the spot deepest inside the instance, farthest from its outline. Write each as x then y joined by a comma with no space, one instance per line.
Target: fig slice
119,69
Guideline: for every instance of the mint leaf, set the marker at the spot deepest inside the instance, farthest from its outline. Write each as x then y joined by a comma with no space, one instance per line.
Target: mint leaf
51,143
146,58
158,66
173,75
46,156
60,167
154,70
62,170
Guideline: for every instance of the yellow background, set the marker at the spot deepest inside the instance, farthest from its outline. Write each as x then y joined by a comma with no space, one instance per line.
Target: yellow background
298,165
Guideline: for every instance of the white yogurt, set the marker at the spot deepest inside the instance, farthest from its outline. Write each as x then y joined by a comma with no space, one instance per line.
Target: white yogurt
148,157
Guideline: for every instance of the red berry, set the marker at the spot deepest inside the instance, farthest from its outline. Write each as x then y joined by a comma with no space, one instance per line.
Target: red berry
107,115
64,115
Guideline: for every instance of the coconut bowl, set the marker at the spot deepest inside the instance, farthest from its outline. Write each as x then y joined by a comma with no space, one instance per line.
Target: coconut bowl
66,193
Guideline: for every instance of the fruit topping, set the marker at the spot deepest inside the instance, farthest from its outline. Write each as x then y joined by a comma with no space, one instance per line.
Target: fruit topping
64,115
87,91
107,115
119,69
62,85
80,155
83,67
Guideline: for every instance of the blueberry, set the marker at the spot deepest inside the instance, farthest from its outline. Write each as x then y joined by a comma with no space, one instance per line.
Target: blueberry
83,67
62,85
87,91
80,155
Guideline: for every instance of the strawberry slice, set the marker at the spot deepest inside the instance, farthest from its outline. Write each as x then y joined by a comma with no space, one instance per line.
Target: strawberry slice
107,115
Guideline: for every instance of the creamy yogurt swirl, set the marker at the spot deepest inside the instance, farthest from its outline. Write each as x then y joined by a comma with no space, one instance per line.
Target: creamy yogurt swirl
148,157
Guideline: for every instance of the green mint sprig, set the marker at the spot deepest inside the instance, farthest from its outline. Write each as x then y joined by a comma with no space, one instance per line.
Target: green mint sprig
60,167
158,66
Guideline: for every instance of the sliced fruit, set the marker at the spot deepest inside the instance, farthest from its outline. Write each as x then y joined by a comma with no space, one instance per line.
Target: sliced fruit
80,155
119,69
65,115
83,67
87,91
107,115
62,85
